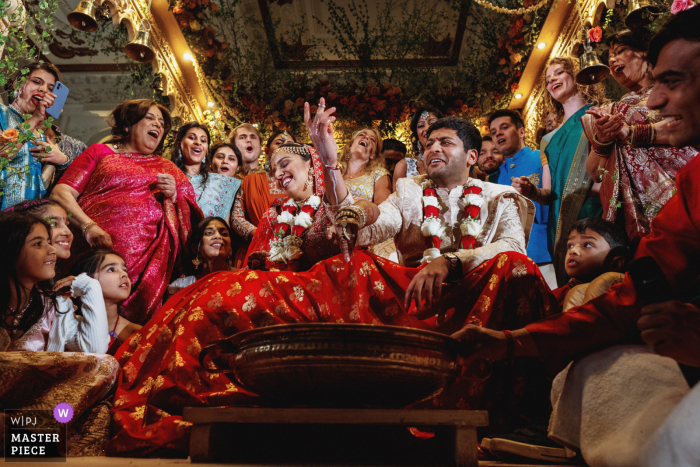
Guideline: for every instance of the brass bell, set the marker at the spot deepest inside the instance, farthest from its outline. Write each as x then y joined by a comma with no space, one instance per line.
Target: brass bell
140,49
83,17
640,12
592,71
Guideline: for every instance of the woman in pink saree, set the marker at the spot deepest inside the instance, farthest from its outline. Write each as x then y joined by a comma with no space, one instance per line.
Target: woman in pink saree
124,195
630,153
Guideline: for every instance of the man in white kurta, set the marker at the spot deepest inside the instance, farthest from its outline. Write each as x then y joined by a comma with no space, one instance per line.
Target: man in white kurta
504,222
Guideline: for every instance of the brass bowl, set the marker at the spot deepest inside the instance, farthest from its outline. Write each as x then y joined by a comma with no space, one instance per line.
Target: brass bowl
336,365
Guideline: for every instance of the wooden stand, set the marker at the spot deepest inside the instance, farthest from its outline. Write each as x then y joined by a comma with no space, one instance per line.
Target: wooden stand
334,436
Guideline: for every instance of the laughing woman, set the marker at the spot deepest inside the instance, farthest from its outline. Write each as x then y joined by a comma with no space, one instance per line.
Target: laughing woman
22,176
258,191
124,195
215,192
574,195
631,141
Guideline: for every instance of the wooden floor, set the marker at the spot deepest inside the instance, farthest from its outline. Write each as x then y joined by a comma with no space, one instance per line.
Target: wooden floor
133,462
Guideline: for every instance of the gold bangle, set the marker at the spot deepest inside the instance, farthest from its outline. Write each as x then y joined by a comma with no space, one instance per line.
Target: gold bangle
87,226
595,140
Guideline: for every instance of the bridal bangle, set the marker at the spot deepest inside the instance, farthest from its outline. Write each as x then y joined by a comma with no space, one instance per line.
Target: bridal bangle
87,227
356,213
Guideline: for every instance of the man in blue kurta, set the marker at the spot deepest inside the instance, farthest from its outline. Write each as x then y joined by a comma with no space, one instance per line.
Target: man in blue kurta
508,135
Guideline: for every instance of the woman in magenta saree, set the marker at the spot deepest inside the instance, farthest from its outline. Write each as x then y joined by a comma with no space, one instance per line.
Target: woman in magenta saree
128,197
630,153
161,373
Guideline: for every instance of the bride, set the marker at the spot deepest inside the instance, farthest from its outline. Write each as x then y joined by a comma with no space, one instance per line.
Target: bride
296,273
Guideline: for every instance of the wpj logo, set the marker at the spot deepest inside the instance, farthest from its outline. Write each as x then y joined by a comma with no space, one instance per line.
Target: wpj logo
37,435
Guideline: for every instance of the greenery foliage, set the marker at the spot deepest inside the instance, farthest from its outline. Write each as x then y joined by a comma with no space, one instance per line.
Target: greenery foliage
241,77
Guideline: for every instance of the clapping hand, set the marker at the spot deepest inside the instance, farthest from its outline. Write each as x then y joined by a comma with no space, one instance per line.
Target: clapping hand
321,132
608,127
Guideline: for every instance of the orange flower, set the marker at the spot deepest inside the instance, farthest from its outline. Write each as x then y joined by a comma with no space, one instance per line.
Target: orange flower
514,87
177,10
313,109
214,7
374,91
465,108
344,100
11,134
300,102
502,61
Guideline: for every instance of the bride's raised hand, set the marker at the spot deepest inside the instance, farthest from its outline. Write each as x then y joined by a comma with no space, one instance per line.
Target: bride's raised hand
321,132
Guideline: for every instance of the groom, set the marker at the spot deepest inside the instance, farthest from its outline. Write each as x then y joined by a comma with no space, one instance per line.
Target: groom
441,233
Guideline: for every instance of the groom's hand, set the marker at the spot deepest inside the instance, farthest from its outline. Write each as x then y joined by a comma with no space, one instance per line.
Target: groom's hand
428,284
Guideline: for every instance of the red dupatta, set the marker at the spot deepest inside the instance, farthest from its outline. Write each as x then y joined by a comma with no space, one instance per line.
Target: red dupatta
264,233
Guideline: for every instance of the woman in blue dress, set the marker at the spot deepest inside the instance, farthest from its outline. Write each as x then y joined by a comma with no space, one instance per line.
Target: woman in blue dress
215,192
21,176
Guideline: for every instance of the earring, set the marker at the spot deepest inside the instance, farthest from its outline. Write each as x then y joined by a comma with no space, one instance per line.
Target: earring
196,262
179,153
309,179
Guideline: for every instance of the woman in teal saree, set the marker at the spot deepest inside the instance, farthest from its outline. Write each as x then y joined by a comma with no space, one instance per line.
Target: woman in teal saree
573,195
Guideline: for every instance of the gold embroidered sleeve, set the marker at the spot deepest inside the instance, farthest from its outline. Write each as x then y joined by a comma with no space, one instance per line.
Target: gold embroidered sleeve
239,223
388,223
509,236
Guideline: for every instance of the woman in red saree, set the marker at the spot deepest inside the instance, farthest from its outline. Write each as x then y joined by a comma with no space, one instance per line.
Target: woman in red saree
161,371
630,153
124,195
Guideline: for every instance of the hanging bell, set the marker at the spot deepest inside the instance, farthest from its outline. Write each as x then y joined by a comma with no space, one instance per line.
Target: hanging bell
592,70
140,49
83,17
640,13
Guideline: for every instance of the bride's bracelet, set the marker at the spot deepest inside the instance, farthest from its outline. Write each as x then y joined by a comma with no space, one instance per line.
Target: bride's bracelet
354,212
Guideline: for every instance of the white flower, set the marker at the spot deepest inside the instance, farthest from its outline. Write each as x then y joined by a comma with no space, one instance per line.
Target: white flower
432,227
285,218
292,252
303,219
430,201
314,202
473,200
430,254
277,250
470,227
475,182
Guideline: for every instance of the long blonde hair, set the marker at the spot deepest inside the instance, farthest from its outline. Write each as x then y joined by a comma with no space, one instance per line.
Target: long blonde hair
345,155
594,95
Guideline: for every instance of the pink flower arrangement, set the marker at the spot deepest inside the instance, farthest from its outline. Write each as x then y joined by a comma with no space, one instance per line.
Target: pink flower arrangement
681,5
595,34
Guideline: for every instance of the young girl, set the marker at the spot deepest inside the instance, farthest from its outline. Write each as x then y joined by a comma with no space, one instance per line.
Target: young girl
32,317
57,217
209,250
107,270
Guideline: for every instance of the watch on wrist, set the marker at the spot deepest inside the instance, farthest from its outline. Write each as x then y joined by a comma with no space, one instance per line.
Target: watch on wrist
455,273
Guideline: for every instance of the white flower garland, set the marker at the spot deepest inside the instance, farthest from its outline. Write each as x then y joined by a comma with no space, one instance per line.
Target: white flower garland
470,226
286,246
